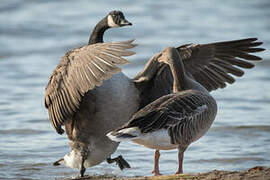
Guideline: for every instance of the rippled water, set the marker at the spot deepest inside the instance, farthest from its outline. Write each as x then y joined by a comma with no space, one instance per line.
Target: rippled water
35,34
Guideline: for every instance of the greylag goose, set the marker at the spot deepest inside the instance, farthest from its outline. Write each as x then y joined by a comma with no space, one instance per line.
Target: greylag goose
174,120
204,67
87,85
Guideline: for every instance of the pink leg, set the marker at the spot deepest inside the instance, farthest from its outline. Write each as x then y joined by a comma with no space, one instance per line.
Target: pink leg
156,166
180,162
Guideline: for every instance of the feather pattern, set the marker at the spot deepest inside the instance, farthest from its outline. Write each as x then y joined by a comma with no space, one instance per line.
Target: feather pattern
79,71
212,65
186,115
219,58
175,120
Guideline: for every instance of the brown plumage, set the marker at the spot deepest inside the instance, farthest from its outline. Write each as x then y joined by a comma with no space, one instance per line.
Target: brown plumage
79,71
82,90
80,93
212,65
177,119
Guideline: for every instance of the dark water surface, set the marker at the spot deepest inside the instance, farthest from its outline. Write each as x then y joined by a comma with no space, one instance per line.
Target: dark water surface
35,34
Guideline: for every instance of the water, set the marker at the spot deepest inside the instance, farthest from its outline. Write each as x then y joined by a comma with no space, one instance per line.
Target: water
35,34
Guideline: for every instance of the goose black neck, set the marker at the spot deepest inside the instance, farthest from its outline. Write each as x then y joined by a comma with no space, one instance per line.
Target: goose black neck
98,32
178,72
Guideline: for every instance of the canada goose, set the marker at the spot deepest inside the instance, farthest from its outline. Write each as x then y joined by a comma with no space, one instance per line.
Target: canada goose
73,98
83,96
174,120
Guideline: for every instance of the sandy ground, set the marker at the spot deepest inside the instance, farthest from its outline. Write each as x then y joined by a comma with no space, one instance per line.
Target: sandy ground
257,173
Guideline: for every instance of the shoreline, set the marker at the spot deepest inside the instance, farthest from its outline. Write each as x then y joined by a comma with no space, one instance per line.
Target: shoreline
255,173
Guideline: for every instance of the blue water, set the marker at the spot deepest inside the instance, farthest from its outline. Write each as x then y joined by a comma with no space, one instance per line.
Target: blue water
34,35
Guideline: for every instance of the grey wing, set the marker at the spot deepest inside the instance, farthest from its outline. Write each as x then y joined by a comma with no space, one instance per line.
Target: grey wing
209,64
172,112
79,71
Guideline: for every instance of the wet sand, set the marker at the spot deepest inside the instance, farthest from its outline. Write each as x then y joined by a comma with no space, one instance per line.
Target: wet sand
255,173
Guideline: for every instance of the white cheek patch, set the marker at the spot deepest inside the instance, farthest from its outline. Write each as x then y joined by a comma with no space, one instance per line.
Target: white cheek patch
111,23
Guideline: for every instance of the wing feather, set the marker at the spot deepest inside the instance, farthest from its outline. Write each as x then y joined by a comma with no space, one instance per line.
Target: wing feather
173,112
79,71
228,56
212,65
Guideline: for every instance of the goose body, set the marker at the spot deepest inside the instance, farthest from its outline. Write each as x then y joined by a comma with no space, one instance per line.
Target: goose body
89,95
176,129
172,121
84,92
122,91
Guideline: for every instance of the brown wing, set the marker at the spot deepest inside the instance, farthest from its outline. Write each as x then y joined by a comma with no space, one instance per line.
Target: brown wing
209,64
79,71
154,81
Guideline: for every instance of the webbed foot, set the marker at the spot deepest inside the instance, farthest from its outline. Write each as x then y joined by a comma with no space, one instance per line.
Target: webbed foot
120,161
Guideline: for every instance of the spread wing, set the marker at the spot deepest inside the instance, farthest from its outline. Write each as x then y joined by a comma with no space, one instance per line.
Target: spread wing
79,71
212,65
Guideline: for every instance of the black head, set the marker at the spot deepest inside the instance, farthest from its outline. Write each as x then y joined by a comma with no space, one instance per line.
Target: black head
117,19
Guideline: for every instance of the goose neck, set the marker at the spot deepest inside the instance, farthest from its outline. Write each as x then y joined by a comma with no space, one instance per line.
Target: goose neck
98,32
179,75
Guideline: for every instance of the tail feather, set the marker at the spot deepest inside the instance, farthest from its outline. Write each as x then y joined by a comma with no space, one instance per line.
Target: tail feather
124,134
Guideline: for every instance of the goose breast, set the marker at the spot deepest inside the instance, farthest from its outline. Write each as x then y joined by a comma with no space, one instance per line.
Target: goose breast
116,101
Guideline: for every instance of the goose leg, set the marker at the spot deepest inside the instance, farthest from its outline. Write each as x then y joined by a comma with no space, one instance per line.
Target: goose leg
156,165
120,161
84,155
180,162
82,170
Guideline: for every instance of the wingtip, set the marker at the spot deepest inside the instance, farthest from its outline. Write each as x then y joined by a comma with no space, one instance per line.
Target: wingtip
132,52
253,39
256,43
128,41
131,42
